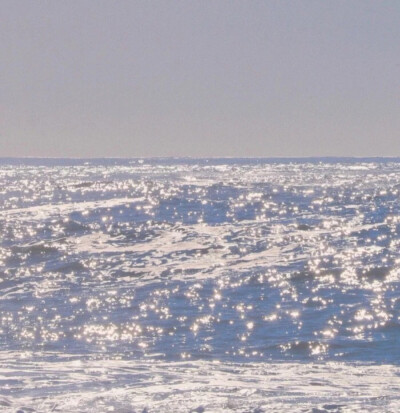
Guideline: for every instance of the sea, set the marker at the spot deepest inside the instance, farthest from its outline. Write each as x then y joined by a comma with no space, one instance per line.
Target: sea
199,285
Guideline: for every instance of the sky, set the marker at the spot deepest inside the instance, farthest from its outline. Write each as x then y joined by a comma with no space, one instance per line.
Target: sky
209,78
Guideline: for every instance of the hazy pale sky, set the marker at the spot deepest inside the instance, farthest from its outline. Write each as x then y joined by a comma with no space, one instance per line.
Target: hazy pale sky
94,78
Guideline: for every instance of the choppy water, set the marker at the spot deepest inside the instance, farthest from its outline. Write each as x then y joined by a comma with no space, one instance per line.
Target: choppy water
199,285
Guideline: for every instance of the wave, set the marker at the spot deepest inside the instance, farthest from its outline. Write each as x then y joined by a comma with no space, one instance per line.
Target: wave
127,386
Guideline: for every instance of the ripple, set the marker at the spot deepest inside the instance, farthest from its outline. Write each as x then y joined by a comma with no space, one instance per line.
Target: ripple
226,260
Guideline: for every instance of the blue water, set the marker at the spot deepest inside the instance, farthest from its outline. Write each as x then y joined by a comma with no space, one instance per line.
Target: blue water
244,262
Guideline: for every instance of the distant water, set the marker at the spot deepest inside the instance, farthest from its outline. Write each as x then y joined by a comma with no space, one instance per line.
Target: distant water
170,285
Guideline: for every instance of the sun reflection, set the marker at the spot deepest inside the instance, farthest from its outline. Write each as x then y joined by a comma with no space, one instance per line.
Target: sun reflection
194,260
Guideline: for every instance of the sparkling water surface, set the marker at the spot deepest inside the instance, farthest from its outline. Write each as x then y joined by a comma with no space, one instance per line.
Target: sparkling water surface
199,285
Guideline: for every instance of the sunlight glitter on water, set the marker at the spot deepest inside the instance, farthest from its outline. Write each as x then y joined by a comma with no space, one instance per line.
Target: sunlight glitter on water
225,260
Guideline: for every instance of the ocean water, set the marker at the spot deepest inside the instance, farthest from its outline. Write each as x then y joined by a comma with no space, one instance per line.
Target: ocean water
184,285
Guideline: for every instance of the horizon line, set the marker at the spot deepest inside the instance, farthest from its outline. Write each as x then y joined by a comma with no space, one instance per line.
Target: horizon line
198,157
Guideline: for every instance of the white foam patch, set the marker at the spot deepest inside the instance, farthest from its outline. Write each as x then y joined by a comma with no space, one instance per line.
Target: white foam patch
199,248
49,210
128,386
